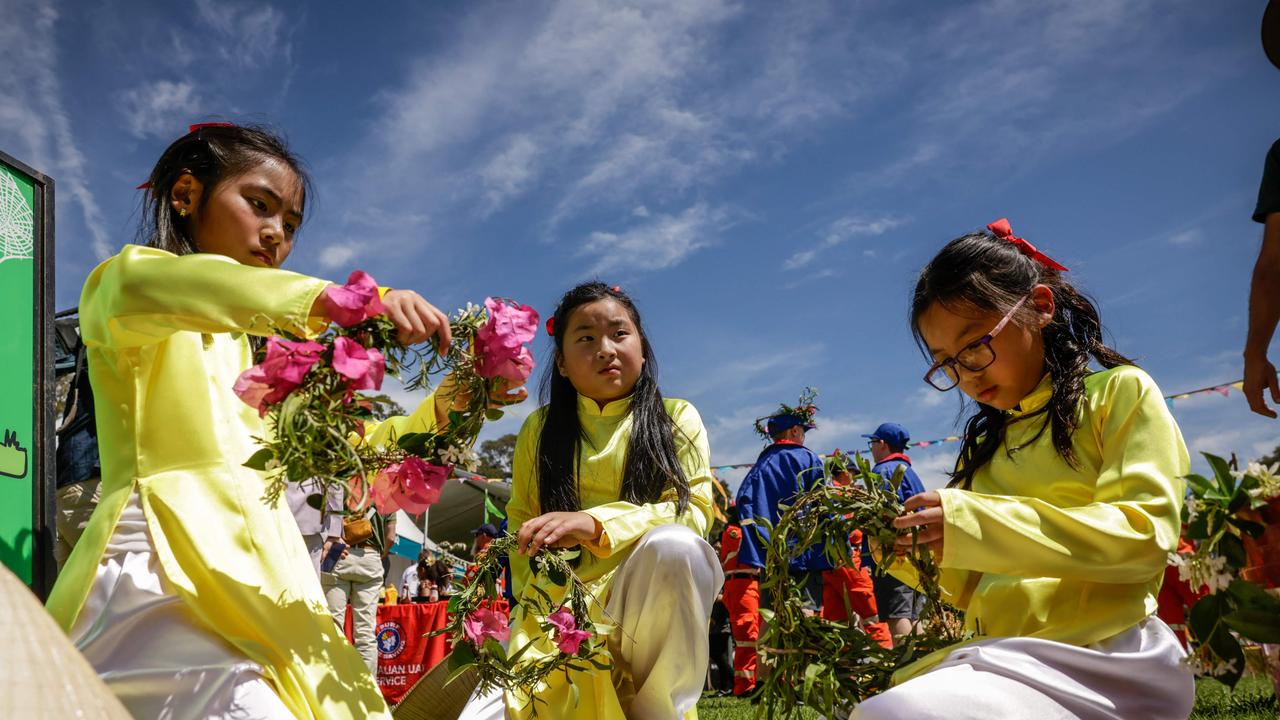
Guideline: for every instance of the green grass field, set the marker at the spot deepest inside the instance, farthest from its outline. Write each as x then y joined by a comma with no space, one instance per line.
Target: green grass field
1252,700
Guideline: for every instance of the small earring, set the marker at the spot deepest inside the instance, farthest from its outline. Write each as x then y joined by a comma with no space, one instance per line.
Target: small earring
182,212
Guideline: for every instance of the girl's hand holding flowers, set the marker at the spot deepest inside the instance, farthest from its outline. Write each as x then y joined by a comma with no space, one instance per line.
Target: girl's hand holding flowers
928,519
416,319
557,529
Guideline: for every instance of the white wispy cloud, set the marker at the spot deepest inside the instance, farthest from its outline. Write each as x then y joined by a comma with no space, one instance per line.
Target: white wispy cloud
336,256
509,173
248,34
1190,236
599,106
34,122
659,242
840,231
159,108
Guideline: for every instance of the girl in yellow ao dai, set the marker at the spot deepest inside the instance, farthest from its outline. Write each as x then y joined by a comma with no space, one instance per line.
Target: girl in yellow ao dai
188,593
608,465
1053,535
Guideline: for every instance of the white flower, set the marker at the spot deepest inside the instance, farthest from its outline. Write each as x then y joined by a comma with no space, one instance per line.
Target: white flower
449,455
1268,482
468,458
1194,506
460,455
1197,571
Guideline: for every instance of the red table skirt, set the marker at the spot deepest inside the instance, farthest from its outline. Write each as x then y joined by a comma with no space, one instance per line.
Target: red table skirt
405,653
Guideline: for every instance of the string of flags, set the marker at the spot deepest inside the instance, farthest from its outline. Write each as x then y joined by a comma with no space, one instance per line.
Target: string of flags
1224,390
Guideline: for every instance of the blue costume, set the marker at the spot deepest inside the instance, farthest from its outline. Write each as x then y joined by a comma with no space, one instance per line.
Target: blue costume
783,471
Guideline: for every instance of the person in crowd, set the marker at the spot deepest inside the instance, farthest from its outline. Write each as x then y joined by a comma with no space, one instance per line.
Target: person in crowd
1264,292
356,581
411,581
899,605
720,670
610,466
784,469
1053,534
742,600
483,535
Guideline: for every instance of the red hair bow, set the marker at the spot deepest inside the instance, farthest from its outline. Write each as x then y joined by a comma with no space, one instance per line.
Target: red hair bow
201,126
551,326
1004,231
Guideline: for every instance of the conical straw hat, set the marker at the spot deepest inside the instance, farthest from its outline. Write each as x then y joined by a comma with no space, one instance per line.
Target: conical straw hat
42,675
431,699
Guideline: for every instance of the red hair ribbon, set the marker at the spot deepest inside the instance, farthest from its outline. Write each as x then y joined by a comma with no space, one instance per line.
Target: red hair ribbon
617,288
1002,230
201,126
551,326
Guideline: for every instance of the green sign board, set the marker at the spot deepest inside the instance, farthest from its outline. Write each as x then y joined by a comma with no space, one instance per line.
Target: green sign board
26,367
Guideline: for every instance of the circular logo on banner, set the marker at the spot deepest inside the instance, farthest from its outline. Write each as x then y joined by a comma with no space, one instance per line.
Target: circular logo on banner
390,639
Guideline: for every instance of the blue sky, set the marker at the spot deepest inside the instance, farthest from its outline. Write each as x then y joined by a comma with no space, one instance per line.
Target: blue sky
764,178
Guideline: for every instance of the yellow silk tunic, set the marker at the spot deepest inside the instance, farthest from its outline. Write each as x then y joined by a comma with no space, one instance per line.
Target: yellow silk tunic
603,455
162,361
1040,549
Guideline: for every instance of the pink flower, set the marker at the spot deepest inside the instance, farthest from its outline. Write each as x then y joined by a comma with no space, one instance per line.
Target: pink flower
364,366
500,342
354,302
568,637
485,623
412,486
271,381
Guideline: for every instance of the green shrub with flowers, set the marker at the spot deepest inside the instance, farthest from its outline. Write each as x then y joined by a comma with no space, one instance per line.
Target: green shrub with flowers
1233,517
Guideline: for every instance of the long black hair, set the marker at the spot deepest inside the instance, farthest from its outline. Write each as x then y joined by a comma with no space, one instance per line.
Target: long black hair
211,153
982,272
652,464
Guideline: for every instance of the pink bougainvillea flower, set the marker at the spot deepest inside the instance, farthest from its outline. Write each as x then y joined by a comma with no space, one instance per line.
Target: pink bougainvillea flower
500,342
365,367
271,381
485,623
567,635
412,486
354,302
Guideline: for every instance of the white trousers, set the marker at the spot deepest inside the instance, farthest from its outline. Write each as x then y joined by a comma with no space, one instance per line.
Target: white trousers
151,650
661,599
1136,675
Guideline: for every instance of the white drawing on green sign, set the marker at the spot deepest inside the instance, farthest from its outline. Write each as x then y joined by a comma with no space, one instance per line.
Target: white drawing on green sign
13,457
17,225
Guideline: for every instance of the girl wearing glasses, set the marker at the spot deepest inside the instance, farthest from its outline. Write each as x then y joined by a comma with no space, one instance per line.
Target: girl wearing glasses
1065,501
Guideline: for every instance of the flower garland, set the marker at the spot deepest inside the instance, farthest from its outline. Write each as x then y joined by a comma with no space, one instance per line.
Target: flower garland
477,630
1224,518
307,391
805,409
826,665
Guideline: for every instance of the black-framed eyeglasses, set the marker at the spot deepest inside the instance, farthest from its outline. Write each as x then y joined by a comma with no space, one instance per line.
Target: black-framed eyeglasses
977,355
871,442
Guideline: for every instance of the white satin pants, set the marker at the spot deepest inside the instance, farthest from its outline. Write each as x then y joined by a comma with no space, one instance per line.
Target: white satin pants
1136,675
151,650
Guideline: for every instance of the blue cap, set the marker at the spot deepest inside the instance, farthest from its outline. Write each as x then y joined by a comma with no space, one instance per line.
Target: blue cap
781,423
893,434
486,529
